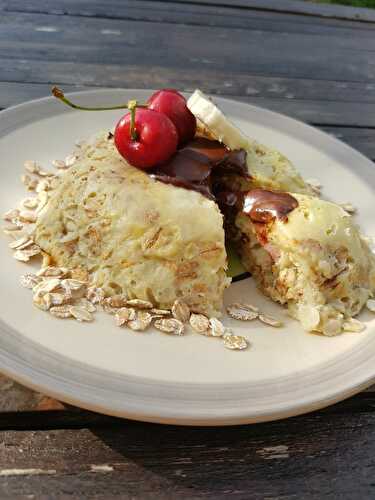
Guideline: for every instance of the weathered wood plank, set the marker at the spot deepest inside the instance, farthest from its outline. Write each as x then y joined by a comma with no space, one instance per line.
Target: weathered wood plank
334,113
323,455
361,139
185,13
10,21
14,93
313,111
319,112
213,81
298,7
70,39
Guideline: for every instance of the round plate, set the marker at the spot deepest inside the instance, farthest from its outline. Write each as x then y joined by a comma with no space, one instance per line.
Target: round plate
191,379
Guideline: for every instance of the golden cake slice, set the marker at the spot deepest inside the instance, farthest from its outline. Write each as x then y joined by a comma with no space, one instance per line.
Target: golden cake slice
308,254
133,234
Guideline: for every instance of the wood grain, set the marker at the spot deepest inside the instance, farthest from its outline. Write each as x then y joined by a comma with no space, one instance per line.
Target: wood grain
26,71
201,14
323,455
68,38
296,6
272,94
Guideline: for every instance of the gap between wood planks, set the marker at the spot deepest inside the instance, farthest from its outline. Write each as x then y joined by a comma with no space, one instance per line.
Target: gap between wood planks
280,7
176,12
294,7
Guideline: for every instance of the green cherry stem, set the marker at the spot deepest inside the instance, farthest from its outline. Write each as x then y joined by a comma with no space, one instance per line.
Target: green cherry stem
59,94
132,105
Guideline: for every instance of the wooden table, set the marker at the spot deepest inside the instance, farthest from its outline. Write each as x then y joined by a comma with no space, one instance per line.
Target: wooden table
314,62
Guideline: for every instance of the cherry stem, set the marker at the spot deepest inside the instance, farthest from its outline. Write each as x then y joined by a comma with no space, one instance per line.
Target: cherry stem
132,105
59,94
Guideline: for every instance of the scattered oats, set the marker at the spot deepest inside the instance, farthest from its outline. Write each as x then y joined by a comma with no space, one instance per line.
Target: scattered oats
27,216
70,160
11,230
18,223
269,320
25,179
139,304
48,285
39,302
59,164
46,259
27,253
144,316
235,342
43,185
45,173
28,243
80,274
30,183
348,207
181,311
30,203
353,325
31,166
242,312
21,243
47,300
43,200
58,299
72,284
61,311
29,280
160,312
11,214
199,323
95,295
124,315
141,322
108,309
370,304
38,288
80,313
216,329
332,328
83,302
250,307
170,325
53,272
116,301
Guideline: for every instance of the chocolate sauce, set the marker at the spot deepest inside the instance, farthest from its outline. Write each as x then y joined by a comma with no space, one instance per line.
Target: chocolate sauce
264,206
194,166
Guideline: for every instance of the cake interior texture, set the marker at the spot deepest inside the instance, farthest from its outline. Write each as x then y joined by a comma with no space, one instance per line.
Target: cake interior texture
125,231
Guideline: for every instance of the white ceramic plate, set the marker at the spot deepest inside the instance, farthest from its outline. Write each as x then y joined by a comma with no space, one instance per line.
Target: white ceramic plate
192,379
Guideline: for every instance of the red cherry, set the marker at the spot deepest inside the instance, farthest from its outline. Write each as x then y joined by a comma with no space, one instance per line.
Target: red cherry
173,104
156,141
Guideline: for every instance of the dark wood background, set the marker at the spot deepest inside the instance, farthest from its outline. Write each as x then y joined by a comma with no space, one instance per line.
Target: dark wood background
314,62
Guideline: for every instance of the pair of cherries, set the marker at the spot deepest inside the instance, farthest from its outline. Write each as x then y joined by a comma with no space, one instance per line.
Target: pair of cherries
160,128
150,134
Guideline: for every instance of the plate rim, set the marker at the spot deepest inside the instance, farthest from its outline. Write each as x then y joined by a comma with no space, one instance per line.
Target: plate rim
184,417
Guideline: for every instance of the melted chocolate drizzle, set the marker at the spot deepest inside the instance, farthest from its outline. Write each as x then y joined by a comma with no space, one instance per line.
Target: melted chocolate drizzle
264,206
192,167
